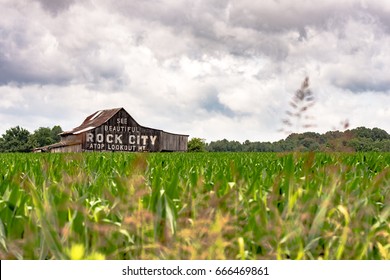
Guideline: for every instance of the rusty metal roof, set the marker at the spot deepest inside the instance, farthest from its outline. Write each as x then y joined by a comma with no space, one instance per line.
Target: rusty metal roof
97,119
92,121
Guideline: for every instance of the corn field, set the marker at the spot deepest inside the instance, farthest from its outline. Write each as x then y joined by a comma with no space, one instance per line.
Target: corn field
195,206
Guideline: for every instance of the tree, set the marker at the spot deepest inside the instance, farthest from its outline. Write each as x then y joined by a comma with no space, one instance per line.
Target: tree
196,145
309,144
218,146
379,134
55,131
44,136
15,139
225,146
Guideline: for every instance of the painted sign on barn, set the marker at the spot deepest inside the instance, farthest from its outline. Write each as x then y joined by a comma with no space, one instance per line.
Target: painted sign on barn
115,130
121,134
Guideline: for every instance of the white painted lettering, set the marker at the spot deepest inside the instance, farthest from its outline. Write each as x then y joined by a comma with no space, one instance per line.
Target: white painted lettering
144,139
132,139
153,139
121,120
118,138
89,137
99,138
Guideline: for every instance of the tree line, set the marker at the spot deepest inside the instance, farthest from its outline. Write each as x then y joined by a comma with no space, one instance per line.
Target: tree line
360,139
18,139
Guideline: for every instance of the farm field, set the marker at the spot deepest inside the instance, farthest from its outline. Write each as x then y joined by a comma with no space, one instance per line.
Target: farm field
195,206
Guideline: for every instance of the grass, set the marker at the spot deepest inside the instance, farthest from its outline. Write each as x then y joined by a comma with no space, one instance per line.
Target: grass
195,206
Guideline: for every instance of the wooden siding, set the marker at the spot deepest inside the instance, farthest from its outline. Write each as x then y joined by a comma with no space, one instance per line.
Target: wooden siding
71,138
67,149
122,133
173,142
115,130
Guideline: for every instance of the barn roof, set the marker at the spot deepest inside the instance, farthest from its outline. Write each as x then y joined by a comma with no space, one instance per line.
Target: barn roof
94,120
99,118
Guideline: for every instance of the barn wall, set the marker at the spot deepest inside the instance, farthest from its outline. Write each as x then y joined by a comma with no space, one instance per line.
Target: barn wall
67,149
71,138
122,133
173,142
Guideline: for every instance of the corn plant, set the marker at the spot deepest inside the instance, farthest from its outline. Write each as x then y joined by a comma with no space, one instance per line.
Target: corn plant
195,206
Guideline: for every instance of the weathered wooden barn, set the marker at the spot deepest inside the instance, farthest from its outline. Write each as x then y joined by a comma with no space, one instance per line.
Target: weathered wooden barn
115,130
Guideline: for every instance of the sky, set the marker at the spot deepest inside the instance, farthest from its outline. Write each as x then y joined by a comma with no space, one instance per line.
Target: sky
211,69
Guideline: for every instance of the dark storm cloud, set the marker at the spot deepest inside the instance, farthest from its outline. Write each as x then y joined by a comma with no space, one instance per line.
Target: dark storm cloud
363,84
169,29
246,27
20,71
36,49
207,61
55,6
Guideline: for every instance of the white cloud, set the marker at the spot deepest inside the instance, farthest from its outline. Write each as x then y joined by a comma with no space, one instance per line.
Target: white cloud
212,69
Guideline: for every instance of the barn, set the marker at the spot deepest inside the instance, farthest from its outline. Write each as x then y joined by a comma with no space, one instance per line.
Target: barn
115,130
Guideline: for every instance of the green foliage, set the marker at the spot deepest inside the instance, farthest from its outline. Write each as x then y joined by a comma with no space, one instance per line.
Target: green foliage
55,133
360,139
196,145
45,136
224,146
15,139
195,206
374,134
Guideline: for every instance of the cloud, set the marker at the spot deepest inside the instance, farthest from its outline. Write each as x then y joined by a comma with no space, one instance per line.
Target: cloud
56,6
212,69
